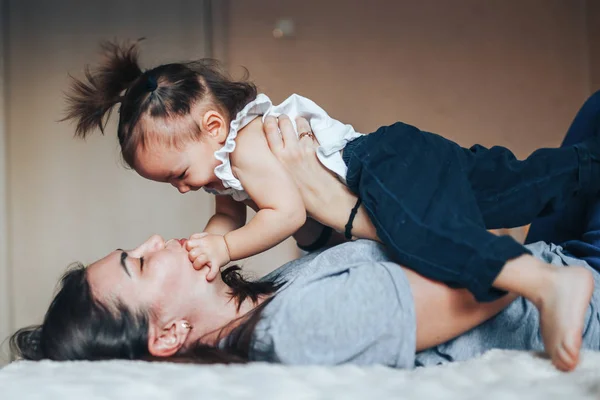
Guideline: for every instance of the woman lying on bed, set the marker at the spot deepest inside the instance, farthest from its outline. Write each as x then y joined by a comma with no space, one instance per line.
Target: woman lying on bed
349,303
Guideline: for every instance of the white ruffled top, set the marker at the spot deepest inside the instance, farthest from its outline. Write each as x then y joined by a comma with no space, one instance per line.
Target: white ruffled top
331,134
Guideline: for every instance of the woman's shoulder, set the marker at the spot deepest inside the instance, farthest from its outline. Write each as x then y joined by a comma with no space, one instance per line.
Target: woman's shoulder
365,251
360,312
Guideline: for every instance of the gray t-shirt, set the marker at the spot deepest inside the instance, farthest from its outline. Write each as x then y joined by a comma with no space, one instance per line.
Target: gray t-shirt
346,304
517,327
350,304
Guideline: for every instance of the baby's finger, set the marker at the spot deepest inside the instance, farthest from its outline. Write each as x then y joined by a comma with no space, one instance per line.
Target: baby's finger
288,133
213,272
192,243
196,236
272,133
195,253
200,262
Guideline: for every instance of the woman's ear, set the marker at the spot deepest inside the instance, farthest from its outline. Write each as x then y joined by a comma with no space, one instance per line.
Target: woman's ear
167,341
215,125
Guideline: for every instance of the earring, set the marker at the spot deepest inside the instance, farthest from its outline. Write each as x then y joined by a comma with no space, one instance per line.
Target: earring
186,325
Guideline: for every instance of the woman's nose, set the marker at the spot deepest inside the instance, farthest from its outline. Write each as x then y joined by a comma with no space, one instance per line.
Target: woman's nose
154,243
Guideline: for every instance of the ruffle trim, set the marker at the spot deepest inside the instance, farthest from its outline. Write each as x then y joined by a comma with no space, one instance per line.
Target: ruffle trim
223,171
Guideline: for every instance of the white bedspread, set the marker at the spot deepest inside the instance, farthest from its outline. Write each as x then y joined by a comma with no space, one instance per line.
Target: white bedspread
496,375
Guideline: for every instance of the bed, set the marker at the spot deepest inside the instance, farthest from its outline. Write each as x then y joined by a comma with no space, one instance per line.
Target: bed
496,375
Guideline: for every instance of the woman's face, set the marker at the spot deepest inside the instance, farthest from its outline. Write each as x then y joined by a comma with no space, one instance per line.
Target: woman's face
156,276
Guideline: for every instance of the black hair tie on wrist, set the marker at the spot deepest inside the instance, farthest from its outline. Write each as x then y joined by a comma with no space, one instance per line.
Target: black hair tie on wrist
151,83
320,242
348,231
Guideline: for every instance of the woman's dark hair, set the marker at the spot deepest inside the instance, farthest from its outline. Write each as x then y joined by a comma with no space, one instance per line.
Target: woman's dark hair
79,327
162,94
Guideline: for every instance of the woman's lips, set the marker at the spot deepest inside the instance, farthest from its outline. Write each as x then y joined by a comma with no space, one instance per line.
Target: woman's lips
182,242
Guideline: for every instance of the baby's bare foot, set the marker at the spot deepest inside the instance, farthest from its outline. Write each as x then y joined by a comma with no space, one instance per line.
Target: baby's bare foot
562,309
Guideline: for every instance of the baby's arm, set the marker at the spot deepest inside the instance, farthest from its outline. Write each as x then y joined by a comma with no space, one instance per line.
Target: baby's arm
229,215
281,209
311,232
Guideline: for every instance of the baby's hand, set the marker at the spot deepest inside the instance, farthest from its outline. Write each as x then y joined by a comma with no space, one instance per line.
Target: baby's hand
210,250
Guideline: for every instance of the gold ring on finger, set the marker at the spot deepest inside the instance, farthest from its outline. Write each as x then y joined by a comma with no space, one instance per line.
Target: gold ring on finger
307,133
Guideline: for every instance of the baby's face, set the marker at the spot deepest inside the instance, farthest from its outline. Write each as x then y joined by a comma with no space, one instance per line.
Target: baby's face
188,168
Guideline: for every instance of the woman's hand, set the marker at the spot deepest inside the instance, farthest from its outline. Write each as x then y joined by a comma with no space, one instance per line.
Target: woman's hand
327,200
300,159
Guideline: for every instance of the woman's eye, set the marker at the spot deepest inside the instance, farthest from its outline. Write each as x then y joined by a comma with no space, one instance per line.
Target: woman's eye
180,177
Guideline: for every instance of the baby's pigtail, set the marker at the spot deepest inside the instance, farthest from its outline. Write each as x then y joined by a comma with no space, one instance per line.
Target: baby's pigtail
91,100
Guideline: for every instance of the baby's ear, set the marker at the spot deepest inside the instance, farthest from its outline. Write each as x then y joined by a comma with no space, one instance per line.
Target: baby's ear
215,125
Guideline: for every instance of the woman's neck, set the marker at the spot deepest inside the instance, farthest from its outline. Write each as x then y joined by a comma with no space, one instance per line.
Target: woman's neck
222,317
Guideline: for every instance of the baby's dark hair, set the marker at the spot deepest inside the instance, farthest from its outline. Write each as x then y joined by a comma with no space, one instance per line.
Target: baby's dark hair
156,103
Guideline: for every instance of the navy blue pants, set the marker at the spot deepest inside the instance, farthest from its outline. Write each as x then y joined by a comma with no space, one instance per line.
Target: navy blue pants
571,222
432,201
577,226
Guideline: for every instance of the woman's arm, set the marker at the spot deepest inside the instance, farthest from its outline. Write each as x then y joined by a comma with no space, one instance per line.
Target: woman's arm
444,313
326,199
313,235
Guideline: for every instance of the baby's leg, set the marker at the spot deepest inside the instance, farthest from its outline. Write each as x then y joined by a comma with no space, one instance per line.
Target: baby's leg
567,224
422,204
586,123
415,190
562,296
512,193
445,244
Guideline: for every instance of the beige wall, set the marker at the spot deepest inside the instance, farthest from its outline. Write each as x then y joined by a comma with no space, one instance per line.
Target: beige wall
593,41
69,199
72,200
5,299
495,72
